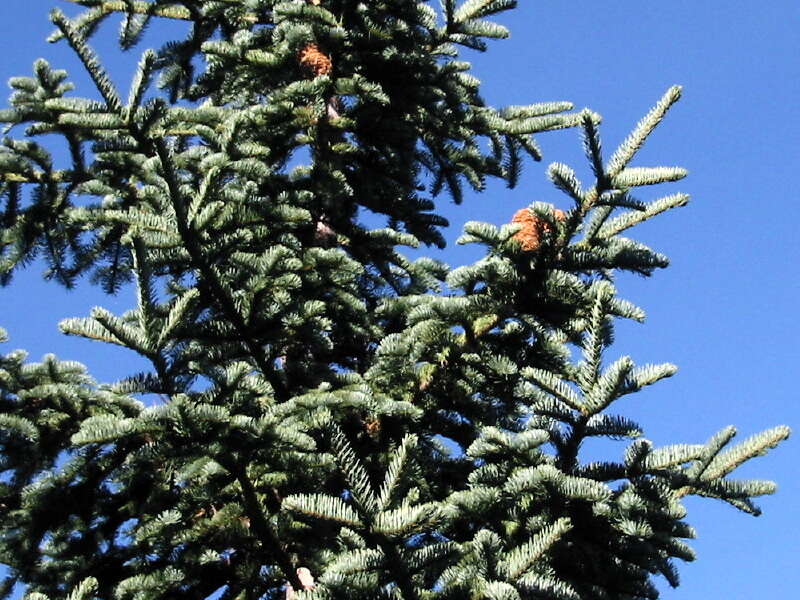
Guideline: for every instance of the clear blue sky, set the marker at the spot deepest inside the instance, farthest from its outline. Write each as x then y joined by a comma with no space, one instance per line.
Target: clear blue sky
725,311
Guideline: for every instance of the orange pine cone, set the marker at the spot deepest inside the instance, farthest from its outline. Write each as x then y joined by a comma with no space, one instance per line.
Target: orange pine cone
533,227
315,60
373,427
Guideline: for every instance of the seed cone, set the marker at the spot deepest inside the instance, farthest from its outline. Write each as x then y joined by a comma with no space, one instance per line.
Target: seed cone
534,228
314,60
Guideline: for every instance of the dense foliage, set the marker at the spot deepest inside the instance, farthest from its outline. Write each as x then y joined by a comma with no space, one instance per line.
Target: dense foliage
316,399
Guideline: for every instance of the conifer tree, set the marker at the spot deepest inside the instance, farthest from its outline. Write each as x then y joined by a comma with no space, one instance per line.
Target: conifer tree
324,418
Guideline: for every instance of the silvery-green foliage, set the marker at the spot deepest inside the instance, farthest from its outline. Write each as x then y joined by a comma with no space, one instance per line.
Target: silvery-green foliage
313,397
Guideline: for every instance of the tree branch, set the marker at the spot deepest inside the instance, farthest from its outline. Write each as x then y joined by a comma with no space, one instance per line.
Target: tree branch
263,529
139,7
211,277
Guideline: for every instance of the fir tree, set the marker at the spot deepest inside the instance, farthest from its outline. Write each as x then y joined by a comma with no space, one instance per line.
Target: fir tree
331,419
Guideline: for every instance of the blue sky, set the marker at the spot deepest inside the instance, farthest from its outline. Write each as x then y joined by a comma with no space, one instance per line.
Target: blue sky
724,311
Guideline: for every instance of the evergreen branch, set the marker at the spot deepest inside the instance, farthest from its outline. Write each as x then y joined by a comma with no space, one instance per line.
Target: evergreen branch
555,386
269,539
757,445
394,471
141,80
593,343
641,176
671,456
631,145
322,506
85,590
595,223
368,505
407,520
93,67
476,9
710,451
211,276
148,319
65,176
566,180
627,220
521,559
175,11
176,314
613,177
592,144
608,386
399,571
356,475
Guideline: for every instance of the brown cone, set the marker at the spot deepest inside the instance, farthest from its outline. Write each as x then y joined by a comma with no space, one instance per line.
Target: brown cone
533,228
315,60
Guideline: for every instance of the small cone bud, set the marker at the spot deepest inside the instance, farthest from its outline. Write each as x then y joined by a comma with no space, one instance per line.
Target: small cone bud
331,110
324,235
305,577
